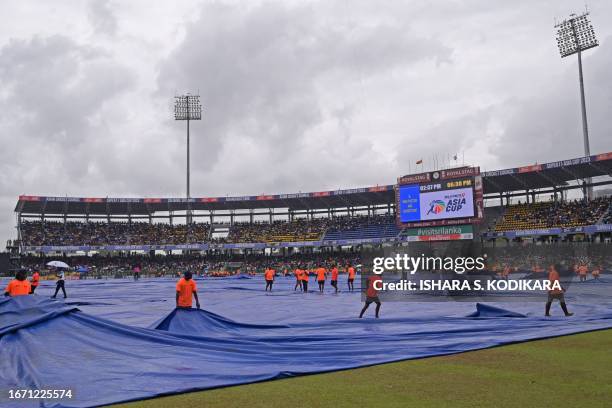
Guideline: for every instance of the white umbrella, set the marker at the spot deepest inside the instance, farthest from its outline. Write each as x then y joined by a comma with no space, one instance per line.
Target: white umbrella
58,264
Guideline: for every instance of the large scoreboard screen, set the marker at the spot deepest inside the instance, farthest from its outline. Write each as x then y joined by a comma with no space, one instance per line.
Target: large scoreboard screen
433,198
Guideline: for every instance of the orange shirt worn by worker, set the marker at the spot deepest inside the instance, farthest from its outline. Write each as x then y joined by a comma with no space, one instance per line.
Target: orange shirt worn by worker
35,279
186,289
18,288
553,276
321,274
371,291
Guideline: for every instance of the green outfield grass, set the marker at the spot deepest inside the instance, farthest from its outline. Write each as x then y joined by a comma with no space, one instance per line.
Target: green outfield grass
569,371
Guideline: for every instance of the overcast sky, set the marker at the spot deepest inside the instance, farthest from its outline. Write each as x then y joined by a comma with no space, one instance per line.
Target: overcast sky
297,96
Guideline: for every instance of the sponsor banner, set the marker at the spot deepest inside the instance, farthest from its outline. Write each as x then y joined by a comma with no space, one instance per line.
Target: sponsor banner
447,233
588,229
438,223
30,198
121,200
601,228
415,178
204,247
504,172
420,178
566,163
552,165
321,194
602,157
459,172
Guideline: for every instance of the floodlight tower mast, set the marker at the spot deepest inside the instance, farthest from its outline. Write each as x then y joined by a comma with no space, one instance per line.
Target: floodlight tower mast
187,107
575,35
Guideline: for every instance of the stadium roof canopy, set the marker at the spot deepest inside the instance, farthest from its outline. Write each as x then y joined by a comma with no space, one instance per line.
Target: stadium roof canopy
532,177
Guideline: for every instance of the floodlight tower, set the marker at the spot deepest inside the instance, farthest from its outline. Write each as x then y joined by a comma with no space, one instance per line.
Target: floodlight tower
574,36
187,107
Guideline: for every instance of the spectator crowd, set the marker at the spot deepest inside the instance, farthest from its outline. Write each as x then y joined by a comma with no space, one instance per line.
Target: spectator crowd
565,214
72,233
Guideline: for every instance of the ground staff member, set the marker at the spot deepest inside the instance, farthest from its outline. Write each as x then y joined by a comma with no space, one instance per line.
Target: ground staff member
35,281
298,279
269,276
334,278
304,279
321,275
553,276
60,285
185,289
351,277
18,286
372,295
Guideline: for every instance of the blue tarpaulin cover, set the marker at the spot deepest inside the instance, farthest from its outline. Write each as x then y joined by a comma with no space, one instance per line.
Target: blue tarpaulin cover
118,340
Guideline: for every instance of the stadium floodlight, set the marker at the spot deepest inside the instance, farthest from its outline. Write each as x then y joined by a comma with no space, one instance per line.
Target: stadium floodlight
187,107
574,36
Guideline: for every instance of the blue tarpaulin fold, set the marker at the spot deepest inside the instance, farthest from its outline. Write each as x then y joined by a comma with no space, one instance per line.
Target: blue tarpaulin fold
483,310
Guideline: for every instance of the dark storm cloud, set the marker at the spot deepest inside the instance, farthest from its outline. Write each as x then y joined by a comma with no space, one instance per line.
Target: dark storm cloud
54,90
262,72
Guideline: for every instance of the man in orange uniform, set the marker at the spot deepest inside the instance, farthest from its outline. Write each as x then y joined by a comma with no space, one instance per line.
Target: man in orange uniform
553,276
334,277
298,279
35,281
185,288
304,278
351,277
269,276
595,272
321,275
372,295
18,286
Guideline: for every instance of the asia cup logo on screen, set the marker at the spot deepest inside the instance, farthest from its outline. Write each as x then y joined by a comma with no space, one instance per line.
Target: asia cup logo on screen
436,207
452,203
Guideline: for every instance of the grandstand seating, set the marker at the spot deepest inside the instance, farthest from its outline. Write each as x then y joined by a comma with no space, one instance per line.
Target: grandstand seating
37,233
553,214
364,228
278,231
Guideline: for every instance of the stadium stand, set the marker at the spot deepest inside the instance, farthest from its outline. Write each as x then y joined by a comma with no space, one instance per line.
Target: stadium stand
113,233
299,230
554,214
140,233
362,227
515,217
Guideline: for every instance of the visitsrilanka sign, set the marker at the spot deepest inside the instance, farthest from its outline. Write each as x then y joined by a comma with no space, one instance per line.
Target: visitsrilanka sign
444,233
